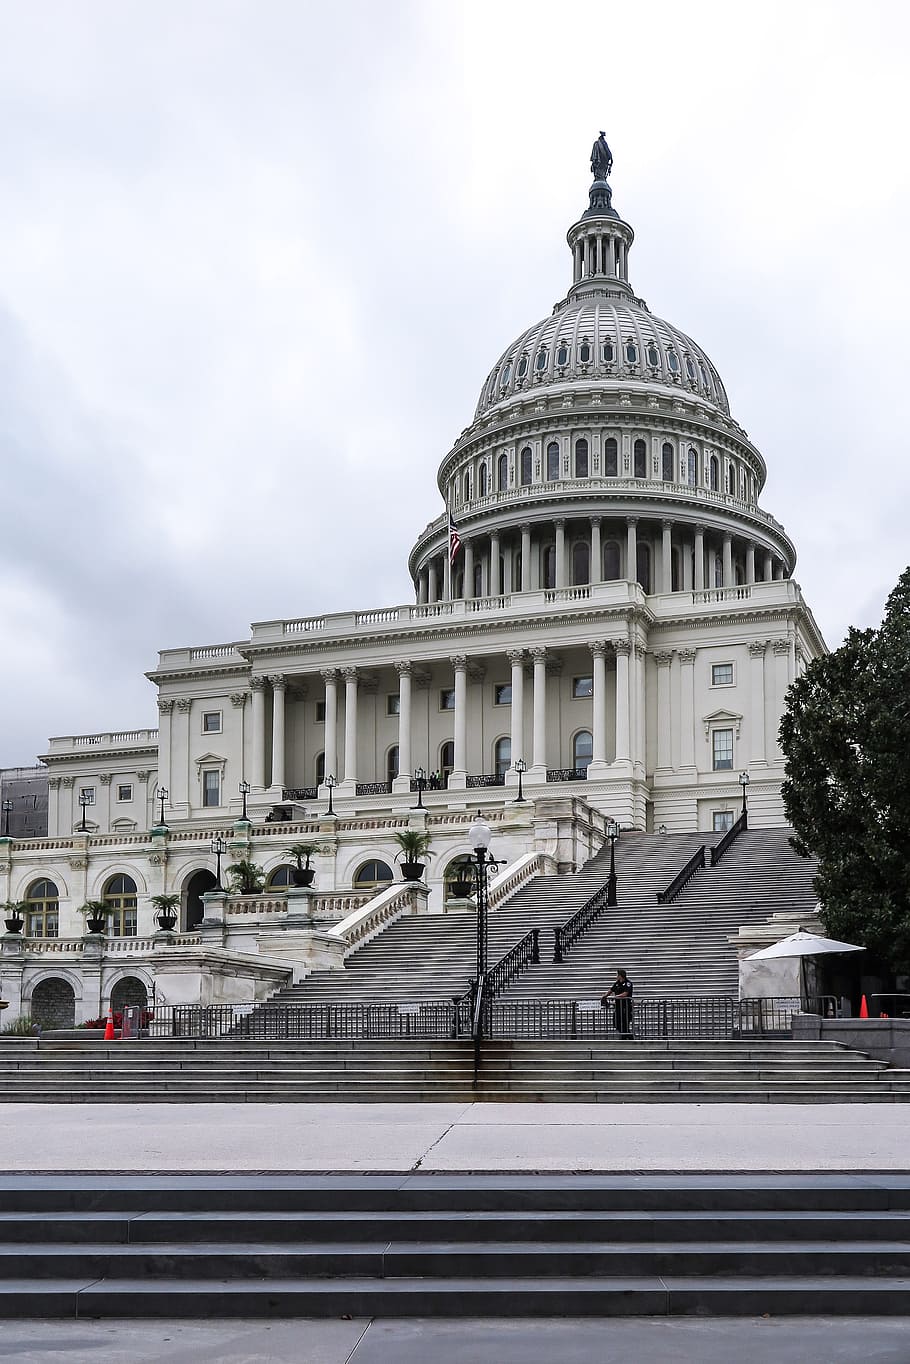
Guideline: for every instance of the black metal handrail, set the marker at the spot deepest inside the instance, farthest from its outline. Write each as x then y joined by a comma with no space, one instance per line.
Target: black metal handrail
580,922
566,773
729,838
483,779
373,788
682,878
300,793
518,958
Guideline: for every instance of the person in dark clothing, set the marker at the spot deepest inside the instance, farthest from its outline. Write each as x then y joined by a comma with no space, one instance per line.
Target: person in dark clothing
621,994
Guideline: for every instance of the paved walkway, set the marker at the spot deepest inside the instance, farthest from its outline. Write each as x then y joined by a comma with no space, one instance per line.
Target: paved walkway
454,1137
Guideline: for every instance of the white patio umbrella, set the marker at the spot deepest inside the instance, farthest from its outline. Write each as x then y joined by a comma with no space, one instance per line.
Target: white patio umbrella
803,944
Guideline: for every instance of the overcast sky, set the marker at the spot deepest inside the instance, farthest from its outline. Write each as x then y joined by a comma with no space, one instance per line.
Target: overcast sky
258,256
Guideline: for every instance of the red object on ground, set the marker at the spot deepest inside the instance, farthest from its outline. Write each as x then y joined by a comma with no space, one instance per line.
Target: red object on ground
109,1025
883,1015
863,1008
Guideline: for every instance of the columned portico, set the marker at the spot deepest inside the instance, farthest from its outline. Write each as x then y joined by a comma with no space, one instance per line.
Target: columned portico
257,766
539,761
516,662
598,766
459,775
403,781
349,784
622,648
279,690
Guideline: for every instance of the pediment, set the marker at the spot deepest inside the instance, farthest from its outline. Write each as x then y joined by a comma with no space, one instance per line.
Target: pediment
722,718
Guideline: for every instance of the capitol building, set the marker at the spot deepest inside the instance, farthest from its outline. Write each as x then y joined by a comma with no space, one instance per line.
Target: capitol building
604,622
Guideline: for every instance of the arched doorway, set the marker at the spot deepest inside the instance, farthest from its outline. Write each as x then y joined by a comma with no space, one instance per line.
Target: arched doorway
129,990
53,1003
196,887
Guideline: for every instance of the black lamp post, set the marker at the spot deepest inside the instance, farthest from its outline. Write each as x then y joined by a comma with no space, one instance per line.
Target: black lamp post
331,782
84,799
613,832
479,836
219,848
521,768
244,792
7,811
420,781
162,796
744,782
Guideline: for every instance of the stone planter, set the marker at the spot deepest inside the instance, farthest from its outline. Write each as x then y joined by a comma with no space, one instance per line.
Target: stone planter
461,890
166,922
14,924
412,871
303,876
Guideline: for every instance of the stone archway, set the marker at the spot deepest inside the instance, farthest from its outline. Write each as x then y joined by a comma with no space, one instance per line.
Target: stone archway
196,887
53,1003
128,990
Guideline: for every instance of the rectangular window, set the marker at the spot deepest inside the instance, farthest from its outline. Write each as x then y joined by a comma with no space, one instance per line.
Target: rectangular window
211,788
447,698
582,687
393,705
722,749
124,792
87,795
320,712
211,722
723,820
721,674
502,695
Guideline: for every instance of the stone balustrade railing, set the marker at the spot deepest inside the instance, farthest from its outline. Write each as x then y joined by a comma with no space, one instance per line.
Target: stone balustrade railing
258,905
337,904
117,947
518,874
379,911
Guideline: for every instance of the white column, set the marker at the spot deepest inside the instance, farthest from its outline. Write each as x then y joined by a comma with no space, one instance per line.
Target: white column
560,552
597,560
757,691
432,584
769,564
165,707
525,558
447,575
728,559
495,578
687,707
598,709
638,705
468,585
279,689
622,648
539,655
781,649
516,660
631,549
750,562
699,558
350,726
666,562
663,661
404,727
330,677
257,773
459,774
422,588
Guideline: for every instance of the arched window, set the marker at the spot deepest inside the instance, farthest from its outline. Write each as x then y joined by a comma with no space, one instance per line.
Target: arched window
731,479
391,764
458,584
714,474
119,896
718,571
643,565
466,483
446,760
42,905
608,352
552,460
692,467
502,756
675,571
279,878
631,352
640,453
672,361
690,368
581,563
653,355
526,466
611,561
522,367
456,496
582,750
584,353
483,481
562,354
549,565
506,375
320,768
611,458
666,462
704,377
478,579
581,459
373,874
541,361
502,472
516,572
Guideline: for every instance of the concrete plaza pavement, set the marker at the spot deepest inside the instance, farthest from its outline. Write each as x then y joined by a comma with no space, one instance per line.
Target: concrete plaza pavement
454,1137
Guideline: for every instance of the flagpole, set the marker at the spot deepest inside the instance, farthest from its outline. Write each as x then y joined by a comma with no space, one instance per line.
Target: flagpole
447,563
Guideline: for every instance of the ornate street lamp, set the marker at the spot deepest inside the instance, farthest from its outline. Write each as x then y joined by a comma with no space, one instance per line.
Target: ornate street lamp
420,781
84,799
219,848
521,768
479,836
331,782
744,782
7,811
613,832
162,796
244,789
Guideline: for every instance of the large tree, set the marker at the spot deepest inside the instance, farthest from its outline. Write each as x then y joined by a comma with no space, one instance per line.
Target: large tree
846,739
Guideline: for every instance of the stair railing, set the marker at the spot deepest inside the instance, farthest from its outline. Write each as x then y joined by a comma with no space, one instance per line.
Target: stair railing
567,934
729,838
682,878
474,1002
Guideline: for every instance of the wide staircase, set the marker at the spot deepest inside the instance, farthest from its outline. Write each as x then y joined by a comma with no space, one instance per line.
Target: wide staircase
407,1069
424,1245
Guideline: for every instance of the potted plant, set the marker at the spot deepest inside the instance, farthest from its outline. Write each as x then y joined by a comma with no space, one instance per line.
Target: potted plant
14,910
245,878
461,882
95,912
415,850
166,908
303,873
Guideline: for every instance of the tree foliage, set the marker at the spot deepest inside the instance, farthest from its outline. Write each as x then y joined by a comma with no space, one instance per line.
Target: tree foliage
846,738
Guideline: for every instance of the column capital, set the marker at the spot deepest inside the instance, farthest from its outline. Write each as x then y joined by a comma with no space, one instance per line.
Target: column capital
403,667
728,537
598,647
349,674
142,775
664,658
667,524
538,653
622,646
686,656
699,528
459,662
258,682
524,526
559,522
631,520
67,781
238,699
53,783
183,703
757,647
165,704
516,657
279,681
596,520
105,778
780,646
329,674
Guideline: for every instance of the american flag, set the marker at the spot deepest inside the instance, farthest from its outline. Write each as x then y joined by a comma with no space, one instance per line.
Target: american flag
454,539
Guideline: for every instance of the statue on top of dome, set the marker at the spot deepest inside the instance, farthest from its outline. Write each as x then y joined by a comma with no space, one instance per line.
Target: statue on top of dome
601,158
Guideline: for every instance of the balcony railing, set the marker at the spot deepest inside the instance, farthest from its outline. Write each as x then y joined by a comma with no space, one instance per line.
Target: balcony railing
373,788
567,773
483,779
300,793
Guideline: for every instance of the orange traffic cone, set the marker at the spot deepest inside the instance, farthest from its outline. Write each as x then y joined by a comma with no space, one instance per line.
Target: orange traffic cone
109,1025
863,1008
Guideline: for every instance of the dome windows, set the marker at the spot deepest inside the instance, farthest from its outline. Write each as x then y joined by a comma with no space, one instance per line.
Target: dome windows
552,461
611,458
672,361
690,368
611,561
640,456
704,376
692,467
523,367
608,352
502,472
653,355
541,362
562,355
581,459
631,352
714,474
666,466
483,481
505,376
584,353
526,466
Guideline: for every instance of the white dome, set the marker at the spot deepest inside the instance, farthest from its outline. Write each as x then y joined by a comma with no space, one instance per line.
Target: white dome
619,343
